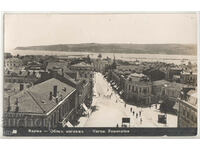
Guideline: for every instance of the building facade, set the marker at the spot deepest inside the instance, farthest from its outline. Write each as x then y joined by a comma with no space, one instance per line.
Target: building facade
85,70
51,107
189,78
138,89
13,63
187,116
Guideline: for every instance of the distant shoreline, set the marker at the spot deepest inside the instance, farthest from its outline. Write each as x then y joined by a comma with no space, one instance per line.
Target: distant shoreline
166,49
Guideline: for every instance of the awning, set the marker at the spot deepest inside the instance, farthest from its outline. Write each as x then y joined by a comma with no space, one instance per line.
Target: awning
68,124
176,106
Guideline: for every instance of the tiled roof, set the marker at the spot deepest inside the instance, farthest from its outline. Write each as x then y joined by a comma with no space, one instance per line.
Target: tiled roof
160,82
175,85
36,99
82,64
192,99
138,75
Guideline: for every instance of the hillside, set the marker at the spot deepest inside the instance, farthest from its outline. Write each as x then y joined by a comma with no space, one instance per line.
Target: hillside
179,49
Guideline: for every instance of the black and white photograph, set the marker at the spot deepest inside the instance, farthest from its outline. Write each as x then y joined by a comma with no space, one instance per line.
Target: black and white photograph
100,74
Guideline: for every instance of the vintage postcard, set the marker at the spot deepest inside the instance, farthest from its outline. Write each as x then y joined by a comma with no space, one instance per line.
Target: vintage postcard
100,74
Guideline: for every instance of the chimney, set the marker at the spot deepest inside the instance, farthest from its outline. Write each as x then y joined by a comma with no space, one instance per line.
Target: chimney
8,108
55,90
64,89
17,106
50,96
76,76
21,87
56,100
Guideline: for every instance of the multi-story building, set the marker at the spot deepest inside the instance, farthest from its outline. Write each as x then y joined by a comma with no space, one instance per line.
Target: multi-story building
171,71
101,65
189,78
83,87
7,55
158,90
138,89
85,70
187,115
47,105
170,94
21,77
13,64
172,90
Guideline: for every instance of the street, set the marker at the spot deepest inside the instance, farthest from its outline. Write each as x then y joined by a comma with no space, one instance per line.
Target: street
108,109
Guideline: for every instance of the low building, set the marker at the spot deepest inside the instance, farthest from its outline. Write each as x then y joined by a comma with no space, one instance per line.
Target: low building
47,105
187,116
138,89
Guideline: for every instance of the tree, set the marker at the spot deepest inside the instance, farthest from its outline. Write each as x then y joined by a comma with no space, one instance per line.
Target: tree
88,60
99,56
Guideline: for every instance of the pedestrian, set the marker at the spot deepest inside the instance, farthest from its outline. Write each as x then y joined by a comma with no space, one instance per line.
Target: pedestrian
133,113
136,115
140,113
131,109
125,105
140,120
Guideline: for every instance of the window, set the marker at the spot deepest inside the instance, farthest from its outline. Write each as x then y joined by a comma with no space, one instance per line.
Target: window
132,88
145,91
188,114
184,112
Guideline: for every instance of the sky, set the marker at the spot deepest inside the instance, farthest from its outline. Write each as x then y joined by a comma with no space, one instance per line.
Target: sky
48,29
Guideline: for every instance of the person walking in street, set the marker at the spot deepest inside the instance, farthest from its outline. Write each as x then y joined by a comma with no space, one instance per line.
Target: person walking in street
133,113
136,115
131,109
125,105
140,120
140,113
